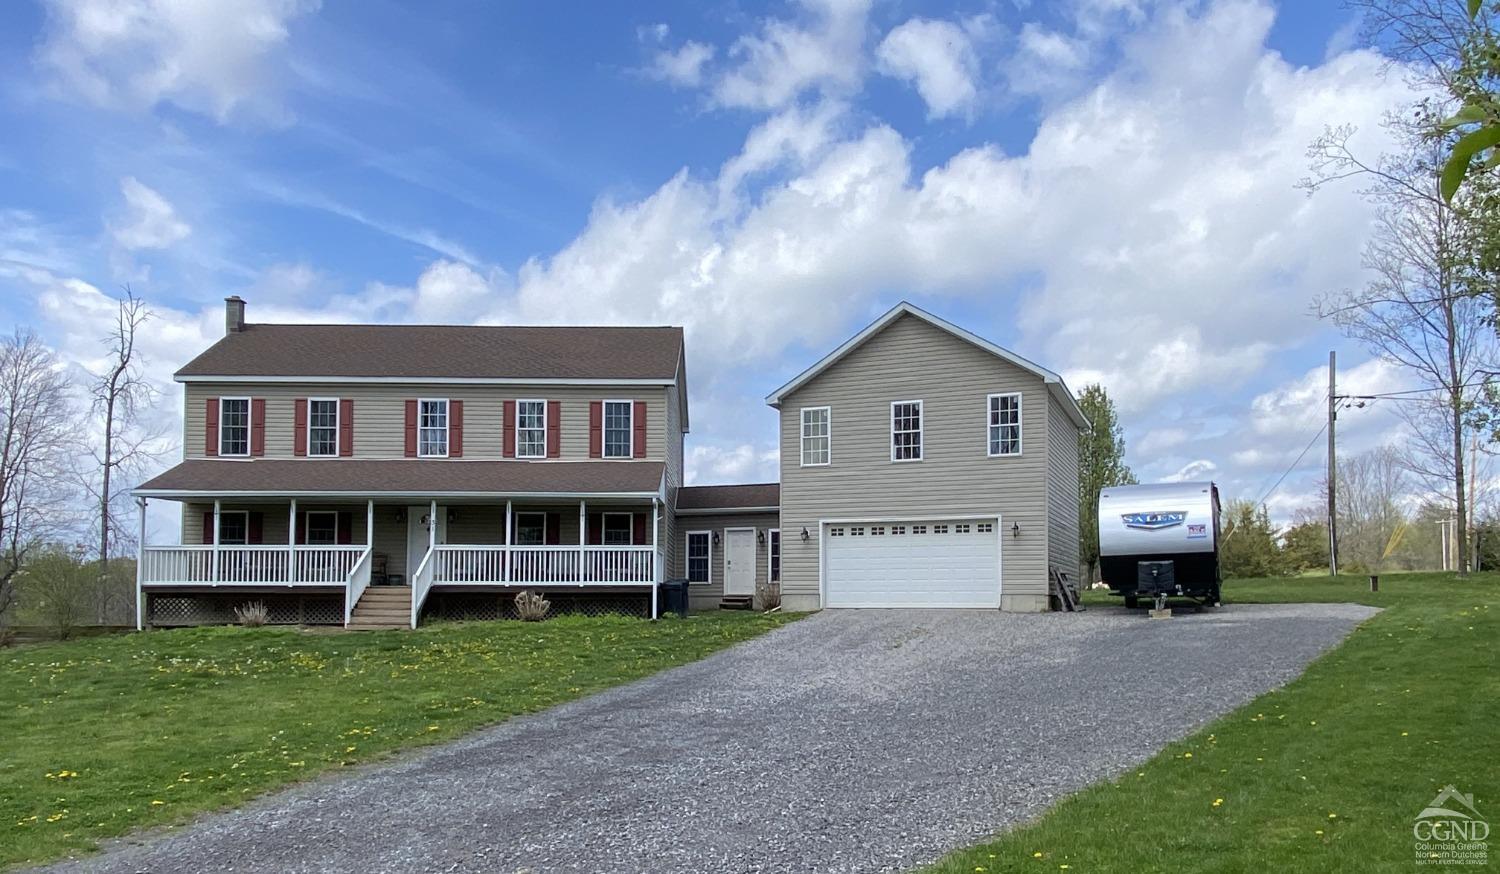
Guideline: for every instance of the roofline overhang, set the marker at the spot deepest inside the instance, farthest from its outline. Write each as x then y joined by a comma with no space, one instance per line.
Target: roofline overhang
365,495
722,511
422,380
1055,384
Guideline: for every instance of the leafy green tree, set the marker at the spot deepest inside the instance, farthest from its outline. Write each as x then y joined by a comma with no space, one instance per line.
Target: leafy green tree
1248,547
1304,546
58,587
1475,85
1101,464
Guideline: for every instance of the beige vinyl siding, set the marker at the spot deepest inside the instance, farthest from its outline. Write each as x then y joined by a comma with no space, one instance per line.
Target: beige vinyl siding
276,519
706,595
671,549
380,414
912,360
1062,489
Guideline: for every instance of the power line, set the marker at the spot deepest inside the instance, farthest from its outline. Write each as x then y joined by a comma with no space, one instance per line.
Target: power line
1293,466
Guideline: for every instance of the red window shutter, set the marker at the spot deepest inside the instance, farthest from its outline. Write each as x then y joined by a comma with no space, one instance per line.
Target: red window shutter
455,429
554,429
554,529
595,529
596,429
638,422
346,426
208,526
255,528
638,534
257,426
508,428
211,428
411,429
346,527
299,427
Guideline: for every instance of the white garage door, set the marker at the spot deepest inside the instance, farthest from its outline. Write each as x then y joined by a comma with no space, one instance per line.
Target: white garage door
912,563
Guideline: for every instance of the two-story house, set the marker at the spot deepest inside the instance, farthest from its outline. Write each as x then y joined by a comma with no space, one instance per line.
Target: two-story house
924,466
448,462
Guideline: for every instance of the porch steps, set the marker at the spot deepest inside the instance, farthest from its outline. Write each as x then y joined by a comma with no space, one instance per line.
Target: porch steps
736,602
382,608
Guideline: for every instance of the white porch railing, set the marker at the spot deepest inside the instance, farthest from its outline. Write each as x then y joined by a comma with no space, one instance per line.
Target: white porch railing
259,565
543,565
421,584
356,583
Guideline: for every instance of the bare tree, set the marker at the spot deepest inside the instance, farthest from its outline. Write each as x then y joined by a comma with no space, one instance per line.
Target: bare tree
1372,488
1421,310
119,395
36,437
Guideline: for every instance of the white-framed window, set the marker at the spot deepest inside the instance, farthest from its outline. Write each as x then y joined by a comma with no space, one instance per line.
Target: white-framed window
234,426
773,555
618,529
1004,423
234,527
817,436
432,427
700,549
531,429
322,527
906,431
617,429
531,529
322,426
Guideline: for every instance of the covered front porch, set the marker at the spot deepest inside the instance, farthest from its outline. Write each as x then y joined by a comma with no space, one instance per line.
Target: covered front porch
405,548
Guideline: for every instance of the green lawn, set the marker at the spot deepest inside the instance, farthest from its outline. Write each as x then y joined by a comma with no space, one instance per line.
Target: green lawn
1326,774
105,735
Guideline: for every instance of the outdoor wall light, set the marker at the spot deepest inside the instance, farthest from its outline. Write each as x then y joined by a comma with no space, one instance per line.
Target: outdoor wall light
1015,529
760,537
804,533
716,538
400,515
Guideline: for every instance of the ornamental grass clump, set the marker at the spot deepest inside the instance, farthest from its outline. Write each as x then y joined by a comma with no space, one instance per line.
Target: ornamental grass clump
253,614
532,607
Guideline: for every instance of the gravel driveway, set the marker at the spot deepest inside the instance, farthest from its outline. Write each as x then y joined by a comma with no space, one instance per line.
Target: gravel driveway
849,741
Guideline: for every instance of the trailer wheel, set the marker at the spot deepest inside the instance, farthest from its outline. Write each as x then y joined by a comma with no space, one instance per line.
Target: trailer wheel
1132,602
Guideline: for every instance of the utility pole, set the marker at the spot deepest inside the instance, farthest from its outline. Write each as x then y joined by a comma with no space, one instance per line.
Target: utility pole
1333,511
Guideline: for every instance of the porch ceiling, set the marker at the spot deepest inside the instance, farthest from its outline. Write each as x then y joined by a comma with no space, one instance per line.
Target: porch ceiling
415,478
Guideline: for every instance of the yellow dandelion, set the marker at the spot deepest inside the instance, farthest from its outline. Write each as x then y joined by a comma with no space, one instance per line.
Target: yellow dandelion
1218,801
1318,831
156,802
1403,734
1333,816
1187,755
1037,854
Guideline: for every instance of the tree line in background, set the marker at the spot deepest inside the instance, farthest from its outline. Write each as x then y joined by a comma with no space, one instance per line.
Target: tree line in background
70,442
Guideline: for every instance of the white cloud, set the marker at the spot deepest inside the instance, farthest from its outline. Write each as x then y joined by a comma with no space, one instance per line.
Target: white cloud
1047,62
205,57
148,220
938,58
745,462
683,65
822,50
1195,470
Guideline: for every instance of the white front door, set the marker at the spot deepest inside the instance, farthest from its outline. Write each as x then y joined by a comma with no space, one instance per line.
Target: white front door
739,561
416,535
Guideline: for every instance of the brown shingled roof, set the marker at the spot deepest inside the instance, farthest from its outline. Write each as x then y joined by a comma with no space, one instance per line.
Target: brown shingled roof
414,476
733,497
443,351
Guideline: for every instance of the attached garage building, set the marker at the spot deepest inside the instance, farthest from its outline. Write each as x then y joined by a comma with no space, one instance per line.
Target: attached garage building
923,466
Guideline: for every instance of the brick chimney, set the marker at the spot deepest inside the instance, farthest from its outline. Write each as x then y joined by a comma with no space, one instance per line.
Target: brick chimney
234,314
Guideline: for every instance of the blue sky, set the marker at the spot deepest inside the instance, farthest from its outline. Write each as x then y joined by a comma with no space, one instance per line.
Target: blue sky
1105,186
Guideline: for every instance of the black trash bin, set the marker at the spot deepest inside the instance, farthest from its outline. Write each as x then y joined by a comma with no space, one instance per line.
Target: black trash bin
674,597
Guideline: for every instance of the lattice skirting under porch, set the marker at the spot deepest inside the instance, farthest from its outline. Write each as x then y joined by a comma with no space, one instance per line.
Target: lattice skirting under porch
217,608
461,606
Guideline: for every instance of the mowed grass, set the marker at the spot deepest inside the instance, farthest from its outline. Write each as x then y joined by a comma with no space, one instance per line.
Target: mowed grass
1325,774
106,735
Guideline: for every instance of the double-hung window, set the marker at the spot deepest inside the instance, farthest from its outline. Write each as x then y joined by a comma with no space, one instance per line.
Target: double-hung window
322,528
906,431
323,426
531,429
617,429
816,436
234,527
618,528
234,426
699,556
531,529
432,428
1005,424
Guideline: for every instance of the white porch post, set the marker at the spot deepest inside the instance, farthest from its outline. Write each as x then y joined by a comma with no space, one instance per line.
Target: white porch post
505,565
370,526
655,557
216,542
291,543
583,526
140,560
